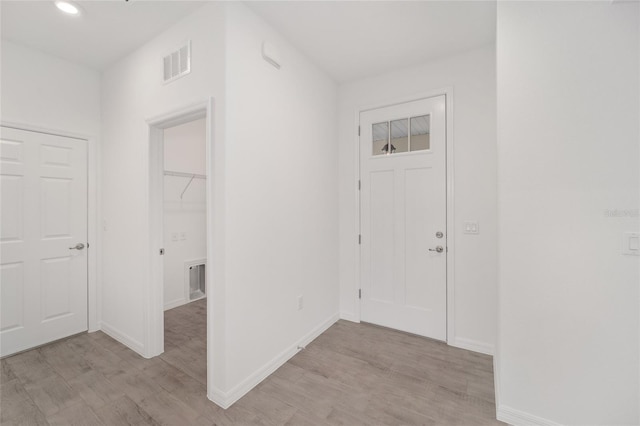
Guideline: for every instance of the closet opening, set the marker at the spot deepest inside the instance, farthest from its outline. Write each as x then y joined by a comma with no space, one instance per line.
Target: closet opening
185,248
180,236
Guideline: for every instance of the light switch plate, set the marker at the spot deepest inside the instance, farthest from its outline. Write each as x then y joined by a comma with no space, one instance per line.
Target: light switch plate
631,243
471,227
174,236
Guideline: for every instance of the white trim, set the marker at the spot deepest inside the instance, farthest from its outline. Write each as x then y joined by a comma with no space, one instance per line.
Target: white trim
349,316
94,216
356,240
154,307
496,377
123,338
448,93
520,418
154,325
227,399
472,345
175,303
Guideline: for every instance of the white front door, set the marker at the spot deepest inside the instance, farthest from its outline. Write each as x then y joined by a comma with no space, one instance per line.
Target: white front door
43,238
403,217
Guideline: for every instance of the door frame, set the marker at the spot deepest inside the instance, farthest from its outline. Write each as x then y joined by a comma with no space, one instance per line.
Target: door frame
94,215
447,92
154,304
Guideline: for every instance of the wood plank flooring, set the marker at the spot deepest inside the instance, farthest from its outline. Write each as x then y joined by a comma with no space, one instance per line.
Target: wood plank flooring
353,374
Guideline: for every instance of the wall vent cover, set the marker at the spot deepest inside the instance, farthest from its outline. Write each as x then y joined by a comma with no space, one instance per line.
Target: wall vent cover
177,63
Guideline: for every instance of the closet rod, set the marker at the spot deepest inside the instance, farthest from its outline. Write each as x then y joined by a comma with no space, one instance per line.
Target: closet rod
182,174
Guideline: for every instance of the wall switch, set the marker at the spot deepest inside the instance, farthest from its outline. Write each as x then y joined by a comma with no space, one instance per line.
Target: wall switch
471,227
183,235
631,243
300,303
174,236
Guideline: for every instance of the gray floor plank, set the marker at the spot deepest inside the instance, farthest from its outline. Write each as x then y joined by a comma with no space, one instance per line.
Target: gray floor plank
352,374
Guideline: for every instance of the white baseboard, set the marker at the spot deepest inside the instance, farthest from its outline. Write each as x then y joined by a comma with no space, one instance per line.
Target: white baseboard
349,316
218,397
227,399
123,338
520,418
175,303
473,345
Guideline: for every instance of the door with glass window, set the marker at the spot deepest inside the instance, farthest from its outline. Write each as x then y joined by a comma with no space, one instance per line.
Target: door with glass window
403,217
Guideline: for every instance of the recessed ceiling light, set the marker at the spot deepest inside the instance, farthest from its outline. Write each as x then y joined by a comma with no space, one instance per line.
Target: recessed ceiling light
67,7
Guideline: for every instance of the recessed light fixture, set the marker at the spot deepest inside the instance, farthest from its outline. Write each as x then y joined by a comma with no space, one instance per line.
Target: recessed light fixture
67,7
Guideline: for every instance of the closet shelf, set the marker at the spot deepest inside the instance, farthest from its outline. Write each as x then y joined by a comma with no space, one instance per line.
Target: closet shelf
191,177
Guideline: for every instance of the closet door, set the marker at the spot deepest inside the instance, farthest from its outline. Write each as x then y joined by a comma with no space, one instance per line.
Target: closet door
43,238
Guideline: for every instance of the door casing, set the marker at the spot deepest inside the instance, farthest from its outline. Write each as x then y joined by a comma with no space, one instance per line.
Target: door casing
450,226
154,301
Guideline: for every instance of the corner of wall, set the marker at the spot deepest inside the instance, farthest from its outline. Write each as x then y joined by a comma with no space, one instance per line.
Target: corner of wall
227,399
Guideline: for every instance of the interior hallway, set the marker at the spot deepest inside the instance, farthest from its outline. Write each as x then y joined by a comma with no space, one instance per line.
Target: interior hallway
352,374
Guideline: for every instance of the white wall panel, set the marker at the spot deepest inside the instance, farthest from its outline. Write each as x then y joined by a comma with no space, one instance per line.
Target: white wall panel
568,109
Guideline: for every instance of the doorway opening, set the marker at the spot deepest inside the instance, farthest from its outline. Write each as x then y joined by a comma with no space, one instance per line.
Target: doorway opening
185,247
180,238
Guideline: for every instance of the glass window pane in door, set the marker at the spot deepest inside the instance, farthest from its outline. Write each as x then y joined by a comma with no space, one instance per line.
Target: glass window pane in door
420,133
400,135
380,138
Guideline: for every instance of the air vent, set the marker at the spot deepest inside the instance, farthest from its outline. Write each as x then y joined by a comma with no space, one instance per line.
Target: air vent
177,63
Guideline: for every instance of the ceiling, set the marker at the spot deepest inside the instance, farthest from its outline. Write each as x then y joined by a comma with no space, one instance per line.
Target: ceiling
356,39
104,32
348,39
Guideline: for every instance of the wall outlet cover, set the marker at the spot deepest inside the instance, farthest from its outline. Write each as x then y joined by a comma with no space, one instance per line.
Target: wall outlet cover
471,227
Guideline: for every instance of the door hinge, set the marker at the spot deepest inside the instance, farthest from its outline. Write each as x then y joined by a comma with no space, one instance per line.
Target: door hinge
359,238
358,130
360,293
161,252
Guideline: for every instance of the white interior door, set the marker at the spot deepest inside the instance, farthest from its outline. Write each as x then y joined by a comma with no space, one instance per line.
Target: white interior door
43,238
403,217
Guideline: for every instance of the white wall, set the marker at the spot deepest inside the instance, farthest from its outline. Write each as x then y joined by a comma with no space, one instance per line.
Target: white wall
132,93
282,204
568,109
45,91
185,222
274,188
472,77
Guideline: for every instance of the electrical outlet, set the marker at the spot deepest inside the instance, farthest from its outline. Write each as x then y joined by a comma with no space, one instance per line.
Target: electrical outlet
300,303
471,227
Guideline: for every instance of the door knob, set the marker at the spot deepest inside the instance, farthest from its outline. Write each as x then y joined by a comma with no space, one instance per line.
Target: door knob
78,246
439,249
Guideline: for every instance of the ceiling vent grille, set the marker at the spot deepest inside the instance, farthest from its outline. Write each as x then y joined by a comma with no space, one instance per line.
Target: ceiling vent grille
177,63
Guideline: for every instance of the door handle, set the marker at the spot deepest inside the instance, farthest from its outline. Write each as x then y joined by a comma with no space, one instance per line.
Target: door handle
78,246
439,249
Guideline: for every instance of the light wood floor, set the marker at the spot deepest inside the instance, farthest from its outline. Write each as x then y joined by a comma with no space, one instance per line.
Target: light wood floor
353,374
